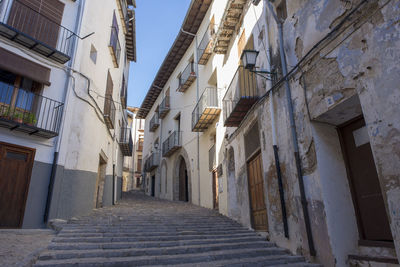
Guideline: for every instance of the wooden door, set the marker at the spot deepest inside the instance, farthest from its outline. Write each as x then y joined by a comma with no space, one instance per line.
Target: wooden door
363,178
215,190
15,173
256,193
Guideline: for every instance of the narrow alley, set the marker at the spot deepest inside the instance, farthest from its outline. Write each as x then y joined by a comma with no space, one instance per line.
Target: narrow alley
146,231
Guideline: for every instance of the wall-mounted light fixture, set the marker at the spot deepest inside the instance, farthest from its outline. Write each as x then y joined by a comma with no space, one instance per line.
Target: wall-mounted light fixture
249,58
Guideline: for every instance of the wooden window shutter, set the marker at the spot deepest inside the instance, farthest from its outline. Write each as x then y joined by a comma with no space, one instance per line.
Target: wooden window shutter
109,86
241,43
40,19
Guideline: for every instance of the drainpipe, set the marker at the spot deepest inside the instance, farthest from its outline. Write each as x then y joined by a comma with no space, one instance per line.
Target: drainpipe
57,143
273,128
160,142
294,135
196,63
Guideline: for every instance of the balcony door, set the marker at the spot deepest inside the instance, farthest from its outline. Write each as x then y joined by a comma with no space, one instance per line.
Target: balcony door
18,98
15,173
40,19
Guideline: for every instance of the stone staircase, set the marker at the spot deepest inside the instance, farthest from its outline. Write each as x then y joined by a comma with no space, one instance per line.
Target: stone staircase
175,234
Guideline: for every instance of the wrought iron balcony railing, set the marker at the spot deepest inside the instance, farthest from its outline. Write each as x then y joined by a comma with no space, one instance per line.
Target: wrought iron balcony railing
28,112
126,142
109,111
154,122
173,143
204,50
241,95
206,110
187,77
164,107
115,47
152,162
34,30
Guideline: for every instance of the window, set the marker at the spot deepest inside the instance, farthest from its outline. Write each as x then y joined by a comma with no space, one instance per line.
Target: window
93,54
281,10
139,164
115,46
18,96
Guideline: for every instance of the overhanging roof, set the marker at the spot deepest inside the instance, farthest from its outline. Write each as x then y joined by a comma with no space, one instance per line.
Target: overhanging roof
191,23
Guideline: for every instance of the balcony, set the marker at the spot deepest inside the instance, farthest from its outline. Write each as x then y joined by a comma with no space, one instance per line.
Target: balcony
115,47
187,77
109,111
26,26
206,110
204,50
30,113
164,107
126,142
229,22
152,162
139,147
154,122
241,95
172,144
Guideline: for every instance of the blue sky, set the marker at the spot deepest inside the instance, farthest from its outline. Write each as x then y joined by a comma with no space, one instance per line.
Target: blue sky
157,24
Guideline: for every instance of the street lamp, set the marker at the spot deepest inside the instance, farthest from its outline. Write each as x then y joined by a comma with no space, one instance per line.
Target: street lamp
249,58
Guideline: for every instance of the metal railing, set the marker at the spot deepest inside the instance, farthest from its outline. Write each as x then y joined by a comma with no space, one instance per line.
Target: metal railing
20,108
164,107
152,161
38,31
187,74
205,41
115,45
209,99
126,142
242,86
154,122
173,142
109,111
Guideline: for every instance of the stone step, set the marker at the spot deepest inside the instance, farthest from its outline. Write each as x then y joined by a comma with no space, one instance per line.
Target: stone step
116,229
152,244
194,258
134,238
250,262
150,227
109,253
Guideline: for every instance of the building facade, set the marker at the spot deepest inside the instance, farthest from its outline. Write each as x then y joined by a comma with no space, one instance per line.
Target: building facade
303,144
64,73
132,175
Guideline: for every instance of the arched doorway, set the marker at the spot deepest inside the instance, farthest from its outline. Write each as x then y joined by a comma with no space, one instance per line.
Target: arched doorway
183,181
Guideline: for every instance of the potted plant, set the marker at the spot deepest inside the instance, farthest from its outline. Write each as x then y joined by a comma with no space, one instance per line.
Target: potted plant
18,117
30,119
4,112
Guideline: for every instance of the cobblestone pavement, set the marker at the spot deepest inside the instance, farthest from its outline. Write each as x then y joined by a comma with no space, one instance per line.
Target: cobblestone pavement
21,247
146,231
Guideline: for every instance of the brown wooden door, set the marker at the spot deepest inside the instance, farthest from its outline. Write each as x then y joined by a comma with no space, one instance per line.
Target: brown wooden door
256,192
368,201
15,173
215,190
